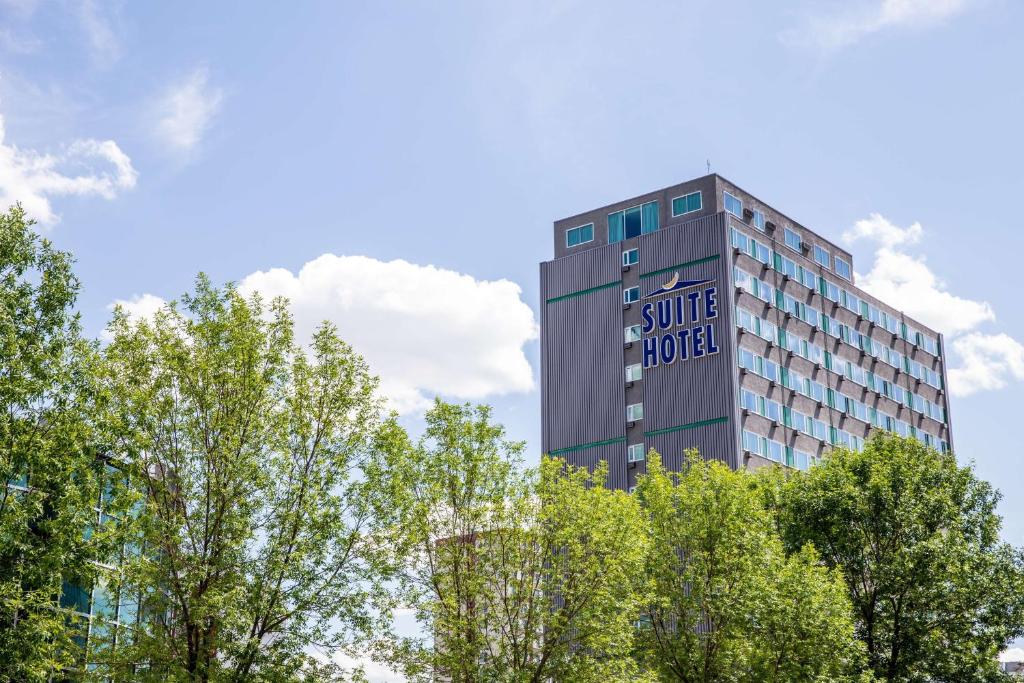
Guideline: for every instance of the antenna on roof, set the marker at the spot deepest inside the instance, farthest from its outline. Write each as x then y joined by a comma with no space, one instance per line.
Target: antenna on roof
709,166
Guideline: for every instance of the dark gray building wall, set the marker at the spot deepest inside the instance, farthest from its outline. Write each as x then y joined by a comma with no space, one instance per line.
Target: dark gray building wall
694,399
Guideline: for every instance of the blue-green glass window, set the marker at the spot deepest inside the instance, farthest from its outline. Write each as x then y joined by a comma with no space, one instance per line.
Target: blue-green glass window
688,203
630,295
792,239
822,256
75,597
758,220
843,269
650,219
633,221
733,205
616,227
579,235
630,257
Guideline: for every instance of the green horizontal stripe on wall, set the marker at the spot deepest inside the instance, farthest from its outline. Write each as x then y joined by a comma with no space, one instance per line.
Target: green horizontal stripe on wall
584,292
692,425
592,444
679,266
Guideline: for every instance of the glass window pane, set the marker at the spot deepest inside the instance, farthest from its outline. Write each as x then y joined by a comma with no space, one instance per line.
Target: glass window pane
651,219
615,227
633,221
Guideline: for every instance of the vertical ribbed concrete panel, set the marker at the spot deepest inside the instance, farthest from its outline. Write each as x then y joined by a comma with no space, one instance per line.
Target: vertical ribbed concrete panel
581,359
691,403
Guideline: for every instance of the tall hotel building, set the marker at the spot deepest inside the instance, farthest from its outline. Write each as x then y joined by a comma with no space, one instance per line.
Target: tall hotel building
700,317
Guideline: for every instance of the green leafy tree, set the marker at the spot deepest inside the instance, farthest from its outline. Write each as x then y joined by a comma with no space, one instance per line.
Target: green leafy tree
515,574
258,532
936,594
51,472
725,602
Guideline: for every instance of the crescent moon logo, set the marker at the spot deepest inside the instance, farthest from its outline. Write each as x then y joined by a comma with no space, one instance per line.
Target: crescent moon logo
671,283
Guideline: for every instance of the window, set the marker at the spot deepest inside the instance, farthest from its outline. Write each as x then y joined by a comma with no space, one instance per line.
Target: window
630,294
843,269
792,239
580,235
822,256
758,220
635,452
634,412
632,333
733,205
631,257
633,221
634,372
688,203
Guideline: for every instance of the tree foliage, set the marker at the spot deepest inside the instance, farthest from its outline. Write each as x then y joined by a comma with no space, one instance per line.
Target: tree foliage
258,533
516,574
936,594
51,472
725,603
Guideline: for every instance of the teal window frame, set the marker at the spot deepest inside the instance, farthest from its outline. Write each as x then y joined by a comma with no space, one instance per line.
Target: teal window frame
581,234
630,295
631,257
647,214
687,203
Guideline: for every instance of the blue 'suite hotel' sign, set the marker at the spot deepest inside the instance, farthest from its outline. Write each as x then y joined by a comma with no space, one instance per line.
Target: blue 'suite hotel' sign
689,310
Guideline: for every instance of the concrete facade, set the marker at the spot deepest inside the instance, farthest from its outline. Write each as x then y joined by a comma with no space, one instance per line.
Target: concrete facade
771,355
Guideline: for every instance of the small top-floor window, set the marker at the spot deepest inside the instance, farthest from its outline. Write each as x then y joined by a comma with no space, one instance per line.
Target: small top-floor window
630,295
822,256
579,235
630,257
792,239
733,205
843,269
633,221
688,203
758,220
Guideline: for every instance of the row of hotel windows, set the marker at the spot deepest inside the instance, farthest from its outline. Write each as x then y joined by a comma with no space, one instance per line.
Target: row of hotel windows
777,452
792,239
832,291
636,220
814,353
833,328
835,399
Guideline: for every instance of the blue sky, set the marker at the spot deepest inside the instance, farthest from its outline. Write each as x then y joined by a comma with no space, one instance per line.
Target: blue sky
246,140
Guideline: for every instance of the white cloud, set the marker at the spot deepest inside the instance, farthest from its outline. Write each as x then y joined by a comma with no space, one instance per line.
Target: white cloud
186,110
906,282
33,178
424,330
1014,654
988,361
849,25
984,361
140,306
876,227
